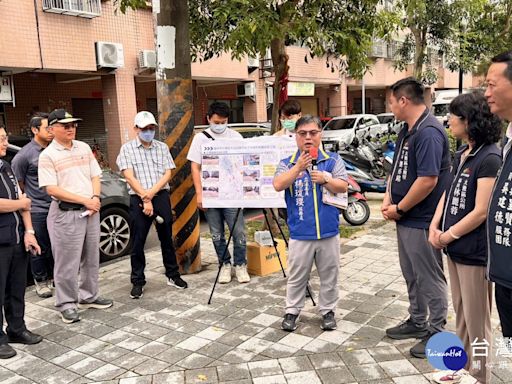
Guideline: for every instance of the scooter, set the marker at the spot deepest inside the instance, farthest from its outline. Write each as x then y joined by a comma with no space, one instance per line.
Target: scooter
358,210
366,181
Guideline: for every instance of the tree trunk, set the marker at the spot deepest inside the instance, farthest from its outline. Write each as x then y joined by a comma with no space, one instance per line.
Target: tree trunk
175,117
280,63
419,53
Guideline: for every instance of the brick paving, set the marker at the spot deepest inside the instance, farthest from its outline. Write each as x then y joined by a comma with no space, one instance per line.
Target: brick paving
173,336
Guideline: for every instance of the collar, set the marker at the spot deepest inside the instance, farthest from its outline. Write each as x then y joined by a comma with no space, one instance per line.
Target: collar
58,146
509,131
36,145
472,153
138,143
418,123
322,155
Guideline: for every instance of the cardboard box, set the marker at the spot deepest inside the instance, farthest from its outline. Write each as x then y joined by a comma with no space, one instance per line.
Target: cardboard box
263,261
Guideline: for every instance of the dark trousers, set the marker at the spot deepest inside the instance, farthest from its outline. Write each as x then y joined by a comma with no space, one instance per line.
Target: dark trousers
42,265
504,305
13,279
141,225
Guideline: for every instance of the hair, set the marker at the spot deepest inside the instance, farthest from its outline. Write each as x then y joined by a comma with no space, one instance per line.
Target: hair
411,88
37,119
505,57
2,126
307,119
483,126
290,107
218,108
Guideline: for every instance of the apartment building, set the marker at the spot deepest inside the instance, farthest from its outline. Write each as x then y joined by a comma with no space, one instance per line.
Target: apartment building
99,64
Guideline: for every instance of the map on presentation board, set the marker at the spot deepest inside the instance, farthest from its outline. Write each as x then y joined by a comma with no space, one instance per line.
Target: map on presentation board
238,173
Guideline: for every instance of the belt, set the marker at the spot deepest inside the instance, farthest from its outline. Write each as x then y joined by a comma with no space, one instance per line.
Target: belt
67,206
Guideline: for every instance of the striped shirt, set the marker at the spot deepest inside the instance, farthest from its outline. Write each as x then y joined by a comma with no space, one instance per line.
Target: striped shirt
148,164
72,169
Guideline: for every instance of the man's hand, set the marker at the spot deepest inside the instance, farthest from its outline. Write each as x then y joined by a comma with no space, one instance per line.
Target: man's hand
25,202
384,206
304,161
199,200
391,213
317,177
31,244
93,204
148,195
147,208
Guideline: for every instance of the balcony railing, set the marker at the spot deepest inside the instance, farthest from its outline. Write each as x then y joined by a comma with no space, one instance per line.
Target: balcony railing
81,8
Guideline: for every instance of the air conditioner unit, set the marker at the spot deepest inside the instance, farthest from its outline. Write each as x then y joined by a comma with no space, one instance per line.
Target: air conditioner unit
147,59
379,49
109,55
253,62
246,89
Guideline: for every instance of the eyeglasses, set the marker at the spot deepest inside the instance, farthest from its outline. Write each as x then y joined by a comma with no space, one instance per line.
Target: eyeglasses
450,115
3,139
310,133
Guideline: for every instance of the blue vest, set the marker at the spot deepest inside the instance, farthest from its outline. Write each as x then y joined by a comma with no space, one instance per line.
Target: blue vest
11,225
499,227
308,217
470,249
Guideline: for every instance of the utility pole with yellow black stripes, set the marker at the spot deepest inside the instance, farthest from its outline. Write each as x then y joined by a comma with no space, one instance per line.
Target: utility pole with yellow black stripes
175,117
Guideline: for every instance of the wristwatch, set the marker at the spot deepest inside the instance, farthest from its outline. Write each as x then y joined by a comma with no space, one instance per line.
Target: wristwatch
327,177
399,211
31,231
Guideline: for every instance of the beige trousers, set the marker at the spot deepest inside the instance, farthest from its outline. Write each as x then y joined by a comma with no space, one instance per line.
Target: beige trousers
472,301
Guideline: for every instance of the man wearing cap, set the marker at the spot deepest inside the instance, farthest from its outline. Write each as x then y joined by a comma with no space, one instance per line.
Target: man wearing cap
71,175
146,165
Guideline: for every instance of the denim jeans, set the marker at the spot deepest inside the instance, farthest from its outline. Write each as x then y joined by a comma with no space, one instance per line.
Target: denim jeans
216,218
41,265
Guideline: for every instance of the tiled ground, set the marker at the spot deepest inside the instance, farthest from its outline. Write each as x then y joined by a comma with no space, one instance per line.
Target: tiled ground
172,336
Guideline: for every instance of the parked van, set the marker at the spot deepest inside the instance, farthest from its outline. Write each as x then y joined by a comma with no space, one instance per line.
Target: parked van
441,101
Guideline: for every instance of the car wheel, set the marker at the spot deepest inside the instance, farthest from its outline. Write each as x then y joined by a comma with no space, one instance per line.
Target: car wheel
115,233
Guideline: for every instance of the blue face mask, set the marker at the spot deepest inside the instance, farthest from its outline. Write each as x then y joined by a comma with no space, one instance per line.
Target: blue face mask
218,128
147,135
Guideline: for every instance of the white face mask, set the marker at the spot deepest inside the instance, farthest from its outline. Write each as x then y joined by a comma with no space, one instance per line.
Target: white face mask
218,128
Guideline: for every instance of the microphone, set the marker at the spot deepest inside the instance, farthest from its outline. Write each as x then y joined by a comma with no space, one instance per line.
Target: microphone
159,219
313,152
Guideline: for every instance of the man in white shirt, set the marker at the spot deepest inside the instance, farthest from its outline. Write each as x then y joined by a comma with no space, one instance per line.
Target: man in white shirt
218,114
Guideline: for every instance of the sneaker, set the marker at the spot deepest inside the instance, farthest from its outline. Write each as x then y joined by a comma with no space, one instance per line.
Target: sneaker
177,282
51,284
418,350
328,322
99,303
225,274
407,330
137,292
70,315
42,289
241,273
289,323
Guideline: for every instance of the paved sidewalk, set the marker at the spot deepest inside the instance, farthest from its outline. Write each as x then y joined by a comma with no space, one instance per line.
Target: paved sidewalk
172,336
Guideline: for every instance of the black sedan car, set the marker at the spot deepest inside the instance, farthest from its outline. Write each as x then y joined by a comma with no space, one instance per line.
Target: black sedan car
115,236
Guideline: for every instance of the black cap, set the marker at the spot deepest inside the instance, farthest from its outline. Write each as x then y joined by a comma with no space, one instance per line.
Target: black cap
61,116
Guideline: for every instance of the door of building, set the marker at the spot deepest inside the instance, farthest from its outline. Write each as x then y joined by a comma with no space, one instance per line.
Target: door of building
92,129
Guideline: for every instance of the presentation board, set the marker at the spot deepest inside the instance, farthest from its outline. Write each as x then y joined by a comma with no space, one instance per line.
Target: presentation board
238,173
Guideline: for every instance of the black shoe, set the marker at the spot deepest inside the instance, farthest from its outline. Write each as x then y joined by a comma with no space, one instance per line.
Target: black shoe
328,322
418,350
177,282
25,337
289,322
6,351
99,303
70,315
407,330
137,292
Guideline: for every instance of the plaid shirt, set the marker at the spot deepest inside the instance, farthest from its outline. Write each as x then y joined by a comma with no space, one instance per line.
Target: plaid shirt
148,164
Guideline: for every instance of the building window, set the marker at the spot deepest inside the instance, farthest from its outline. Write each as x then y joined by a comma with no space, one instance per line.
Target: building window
236,109
81,8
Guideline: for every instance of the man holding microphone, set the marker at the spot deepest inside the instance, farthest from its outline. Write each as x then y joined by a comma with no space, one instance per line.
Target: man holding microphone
313,224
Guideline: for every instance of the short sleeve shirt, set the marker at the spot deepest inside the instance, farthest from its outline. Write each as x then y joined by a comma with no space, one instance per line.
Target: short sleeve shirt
194,153
25,166
69,168
148,164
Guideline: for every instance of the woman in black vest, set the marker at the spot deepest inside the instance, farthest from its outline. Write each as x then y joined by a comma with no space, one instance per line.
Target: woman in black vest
458,226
